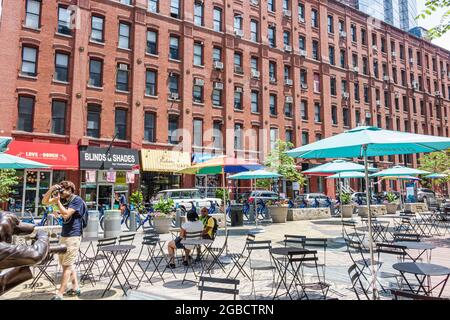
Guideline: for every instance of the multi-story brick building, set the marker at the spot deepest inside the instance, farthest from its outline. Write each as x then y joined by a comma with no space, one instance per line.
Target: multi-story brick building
82,72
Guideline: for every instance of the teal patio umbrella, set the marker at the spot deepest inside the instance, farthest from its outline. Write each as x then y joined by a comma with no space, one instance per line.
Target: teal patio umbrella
367,141
348,175
8,161
4,142
436,176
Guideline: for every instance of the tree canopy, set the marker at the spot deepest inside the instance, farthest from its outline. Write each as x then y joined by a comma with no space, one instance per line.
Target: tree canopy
8,179
443,24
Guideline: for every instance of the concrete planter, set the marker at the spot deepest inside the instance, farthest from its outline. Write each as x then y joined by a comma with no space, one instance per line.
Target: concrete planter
416,207
308,214
162,225
391,208
278,214
347,210
376,210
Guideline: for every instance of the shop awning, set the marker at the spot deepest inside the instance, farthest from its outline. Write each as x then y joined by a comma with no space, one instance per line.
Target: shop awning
56,156
164,160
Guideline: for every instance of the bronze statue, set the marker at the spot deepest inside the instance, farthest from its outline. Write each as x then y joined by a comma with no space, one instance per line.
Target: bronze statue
19,258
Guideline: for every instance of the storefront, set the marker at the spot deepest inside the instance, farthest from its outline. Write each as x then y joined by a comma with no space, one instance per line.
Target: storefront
160,169
105,171
62,160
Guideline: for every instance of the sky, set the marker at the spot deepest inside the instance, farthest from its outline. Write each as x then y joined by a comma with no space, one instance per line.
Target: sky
430,21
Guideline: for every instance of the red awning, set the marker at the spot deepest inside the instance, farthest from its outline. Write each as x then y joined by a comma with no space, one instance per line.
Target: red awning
57,156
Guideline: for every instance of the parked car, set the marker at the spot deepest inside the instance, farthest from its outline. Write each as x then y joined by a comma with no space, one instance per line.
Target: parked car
263,195
184,198
361,198
311,199
428,196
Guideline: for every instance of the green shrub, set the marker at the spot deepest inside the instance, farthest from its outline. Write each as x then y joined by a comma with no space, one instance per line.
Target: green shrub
346,198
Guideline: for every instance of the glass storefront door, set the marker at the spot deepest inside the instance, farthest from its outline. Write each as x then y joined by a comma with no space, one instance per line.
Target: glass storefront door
35,185
105,196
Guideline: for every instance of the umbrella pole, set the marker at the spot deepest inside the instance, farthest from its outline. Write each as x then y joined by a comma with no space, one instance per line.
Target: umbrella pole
225,207
340,199
372,264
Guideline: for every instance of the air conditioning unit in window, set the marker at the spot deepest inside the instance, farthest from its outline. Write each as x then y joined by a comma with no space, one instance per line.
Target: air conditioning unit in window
174,96
375,48
378,103
199,82
289,99
342,34
345,95
239,33
386,78
393,54
415,84
301,19
238,69
304,86
437,93
255,74
123,66
287,48
287,13
273,80
411,60
254,2
218,65
238,89
368,115
356,69
288,82
218,85
303,53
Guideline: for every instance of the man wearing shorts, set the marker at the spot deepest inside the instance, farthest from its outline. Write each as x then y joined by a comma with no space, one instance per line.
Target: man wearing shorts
72,209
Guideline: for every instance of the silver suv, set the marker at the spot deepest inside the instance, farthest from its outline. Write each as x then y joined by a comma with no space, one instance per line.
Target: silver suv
428,196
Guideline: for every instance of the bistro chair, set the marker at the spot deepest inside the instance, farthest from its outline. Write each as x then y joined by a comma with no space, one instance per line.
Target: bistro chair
359,287
236,258
99,256
317,243
407,295
216,252
214,286
263,264
294,241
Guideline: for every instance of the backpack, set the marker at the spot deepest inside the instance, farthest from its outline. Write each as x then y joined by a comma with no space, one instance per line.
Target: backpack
85,216
216,226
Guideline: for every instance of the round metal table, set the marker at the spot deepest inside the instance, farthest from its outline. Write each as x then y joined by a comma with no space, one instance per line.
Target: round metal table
413,245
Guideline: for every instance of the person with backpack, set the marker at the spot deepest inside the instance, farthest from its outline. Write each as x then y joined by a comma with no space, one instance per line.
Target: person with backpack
73,210
209,224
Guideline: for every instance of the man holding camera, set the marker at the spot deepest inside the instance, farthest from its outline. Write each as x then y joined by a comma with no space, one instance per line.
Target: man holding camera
71,208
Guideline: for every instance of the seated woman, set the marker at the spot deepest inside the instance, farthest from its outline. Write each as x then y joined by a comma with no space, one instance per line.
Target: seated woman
192,225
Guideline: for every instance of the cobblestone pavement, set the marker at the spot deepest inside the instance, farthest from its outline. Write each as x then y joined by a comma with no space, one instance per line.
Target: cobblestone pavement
337,263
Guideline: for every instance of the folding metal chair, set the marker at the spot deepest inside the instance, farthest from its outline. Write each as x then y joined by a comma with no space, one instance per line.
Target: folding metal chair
217,281
360,288
236,257
191,236
150,244
317,243
99,256
395,250
295,241
407,295
216,252
260,265
401,236
127,238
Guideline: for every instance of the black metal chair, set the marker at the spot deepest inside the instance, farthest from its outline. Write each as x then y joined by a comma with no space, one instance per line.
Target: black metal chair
216,252
349,231
360,288
260,265
236,258
190,264
407,295
291,240
395,250
43,267
317,243
402,236
99,256
127,238
218,281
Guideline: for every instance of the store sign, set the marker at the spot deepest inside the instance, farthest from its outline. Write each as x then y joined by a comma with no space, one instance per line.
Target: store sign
102,159
164,160
57,156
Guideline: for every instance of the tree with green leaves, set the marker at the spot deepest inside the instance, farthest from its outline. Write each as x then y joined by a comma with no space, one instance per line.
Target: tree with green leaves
283,164
8,180
443,23
436,162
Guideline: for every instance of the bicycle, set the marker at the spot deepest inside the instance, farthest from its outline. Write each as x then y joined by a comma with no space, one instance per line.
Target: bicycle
45,221
141,219
124,219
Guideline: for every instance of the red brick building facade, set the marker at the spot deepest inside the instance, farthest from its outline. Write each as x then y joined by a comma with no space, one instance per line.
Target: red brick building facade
115,61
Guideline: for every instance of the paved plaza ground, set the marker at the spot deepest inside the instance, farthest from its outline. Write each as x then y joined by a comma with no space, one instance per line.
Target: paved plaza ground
337,263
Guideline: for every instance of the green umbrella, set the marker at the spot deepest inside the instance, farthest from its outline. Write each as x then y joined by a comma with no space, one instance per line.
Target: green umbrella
4,142
347,175
8,161
366,141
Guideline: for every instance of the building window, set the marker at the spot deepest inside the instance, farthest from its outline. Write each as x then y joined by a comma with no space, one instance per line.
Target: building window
341,26
174,48
271,5
61,67
289,136
198,13
273,137
355,60
330,25
254,101
254,35
33,14
315,50
331,55
153,5
304,79
29,61
301,43
273,104
238,63
317,112
333,89
64,20
273,71
318,136
345,117
363,37
121,124
286,38
25,114
238,136
356,89
122,77
217,54
288,109
197,91
173,83
175,9
97,27
198,54
237,22
365,66
304,109
366,94
314,18
353,32
59,117
342,59
305,138
93,121
217,134
217,19
124,35
287,72
198,132
254,64
172,134
238,98
301,12
316,83
150,82
334,117
217,97
152,42
271,36
150,127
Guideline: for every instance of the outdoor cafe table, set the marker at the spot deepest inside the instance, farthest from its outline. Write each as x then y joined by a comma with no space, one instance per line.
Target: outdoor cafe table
116,256
282,265
422,271
422,247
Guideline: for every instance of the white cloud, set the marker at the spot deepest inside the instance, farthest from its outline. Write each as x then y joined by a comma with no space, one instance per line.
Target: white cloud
430,21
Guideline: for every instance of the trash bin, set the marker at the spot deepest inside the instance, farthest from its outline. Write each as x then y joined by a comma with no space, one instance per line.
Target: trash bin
132,220
111,222
91,230
237,216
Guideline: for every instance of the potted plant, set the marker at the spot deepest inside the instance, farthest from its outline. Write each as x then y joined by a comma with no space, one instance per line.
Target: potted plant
278,210
346,205
391,203
163,215
137,202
